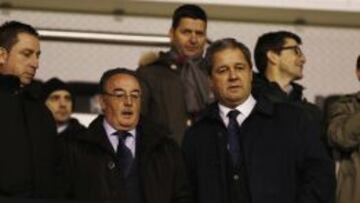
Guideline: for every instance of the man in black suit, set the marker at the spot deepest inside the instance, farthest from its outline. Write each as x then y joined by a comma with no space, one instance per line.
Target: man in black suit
27,128
121,157
253,151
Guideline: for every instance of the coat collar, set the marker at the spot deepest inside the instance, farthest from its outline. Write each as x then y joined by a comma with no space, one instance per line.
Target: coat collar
148,133
11,85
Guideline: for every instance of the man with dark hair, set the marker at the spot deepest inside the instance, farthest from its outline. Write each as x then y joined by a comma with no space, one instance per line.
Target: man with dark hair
343,135
280,62
59,99
121,157
27,128
175,85
247,150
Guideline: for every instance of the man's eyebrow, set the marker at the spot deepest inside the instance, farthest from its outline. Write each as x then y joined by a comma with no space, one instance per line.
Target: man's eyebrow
119,89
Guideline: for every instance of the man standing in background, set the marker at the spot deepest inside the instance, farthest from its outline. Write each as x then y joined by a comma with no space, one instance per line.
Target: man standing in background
280,62
343,134
176,86
26,126
60,101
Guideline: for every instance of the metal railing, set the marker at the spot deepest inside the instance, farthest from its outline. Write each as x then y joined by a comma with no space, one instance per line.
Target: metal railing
102,37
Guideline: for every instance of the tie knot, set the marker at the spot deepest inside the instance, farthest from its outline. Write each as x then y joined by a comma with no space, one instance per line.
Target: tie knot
233,114
122,135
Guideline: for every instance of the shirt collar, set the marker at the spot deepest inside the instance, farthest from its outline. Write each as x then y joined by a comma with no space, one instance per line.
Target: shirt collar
110,130
245,108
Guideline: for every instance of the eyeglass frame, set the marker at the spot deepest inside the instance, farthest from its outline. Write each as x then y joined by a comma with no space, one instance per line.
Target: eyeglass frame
296,49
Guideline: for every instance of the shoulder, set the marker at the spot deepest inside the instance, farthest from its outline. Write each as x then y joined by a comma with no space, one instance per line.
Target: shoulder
163,61
348,98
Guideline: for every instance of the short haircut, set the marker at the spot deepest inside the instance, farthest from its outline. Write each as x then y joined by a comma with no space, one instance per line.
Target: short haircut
9,33
222,44
358,63
188,11
271,41
109,73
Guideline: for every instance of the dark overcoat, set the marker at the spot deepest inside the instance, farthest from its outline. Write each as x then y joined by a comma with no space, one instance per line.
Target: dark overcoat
284,159
27,135
94,174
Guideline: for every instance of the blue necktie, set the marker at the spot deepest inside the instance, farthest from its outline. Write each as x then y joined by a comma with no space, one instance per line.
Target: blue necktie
123,152
233,138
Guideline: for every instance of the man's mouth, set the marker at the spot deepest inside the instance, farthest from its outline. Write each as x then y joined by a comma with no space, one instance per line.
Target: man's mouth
127,113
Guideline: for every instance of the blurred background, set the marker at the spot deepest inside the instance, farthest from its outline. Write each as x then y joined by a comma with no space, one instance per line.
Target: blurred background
83,38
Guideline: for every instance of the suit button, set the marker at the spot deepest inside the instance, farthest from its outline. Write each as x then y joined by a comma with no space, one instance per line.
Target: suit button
111,165
236,177
173,66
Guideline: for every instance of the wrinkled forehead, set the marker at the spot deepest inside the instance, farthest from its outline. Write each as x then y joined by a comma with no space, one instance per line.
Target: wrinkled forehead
124,82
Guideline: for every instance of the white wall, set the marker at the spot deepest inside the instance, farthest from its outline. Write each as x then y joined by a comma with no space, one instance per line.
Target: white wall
331,51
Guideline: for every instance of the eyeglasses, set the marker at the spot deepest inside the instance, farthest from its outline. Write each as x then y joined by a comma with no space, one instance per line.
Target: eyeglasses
122,95
296,49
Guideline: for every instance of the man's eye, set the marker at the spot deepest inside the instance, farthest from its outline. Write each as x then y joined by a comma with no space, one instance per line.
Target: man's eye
221,70
26,54
119,95
135,95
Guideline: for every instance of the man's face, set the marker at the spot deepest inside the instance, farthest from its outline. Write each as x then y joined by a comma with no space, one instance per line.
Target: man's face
22,60
189,37
121,102
60,104
231,77
291,60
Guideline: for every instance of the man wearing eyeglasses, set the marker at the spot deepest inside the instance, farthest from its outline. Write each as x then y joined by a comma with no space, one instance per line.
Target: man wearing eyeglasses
280,62
121,157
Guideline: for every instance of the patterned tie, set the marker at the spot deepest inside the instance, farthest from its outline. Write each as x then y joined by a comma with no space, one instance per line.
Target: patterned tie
233,138
123,152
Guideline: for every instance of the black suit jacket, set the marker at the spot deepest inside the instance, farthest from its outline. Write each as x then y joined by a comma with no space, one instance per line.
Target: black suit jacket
284,158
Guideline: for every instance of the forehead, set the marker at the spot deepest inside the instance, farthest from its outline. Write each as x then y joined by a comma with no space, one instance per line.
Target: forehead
60,93
229,56
122,81
191,23
27,41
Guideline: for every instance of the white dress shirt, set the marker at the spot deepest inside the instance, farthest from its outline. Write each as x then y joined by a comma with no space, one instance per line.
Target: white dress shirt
114,140
245,109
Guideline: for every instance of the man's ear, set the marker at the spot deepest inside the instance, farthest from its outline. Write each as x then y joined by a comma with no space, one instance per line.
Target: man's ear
210,82
101,102
3,56
272,57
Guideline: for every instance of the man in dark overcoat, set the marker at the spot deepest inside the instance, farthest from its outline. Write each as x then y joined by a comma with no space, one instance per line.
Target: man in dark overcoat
122,158
253,151
27,129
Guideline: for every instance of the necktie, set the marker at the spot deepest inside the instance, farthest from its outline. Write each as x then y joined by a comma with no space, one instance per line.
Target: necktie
123,152
233,137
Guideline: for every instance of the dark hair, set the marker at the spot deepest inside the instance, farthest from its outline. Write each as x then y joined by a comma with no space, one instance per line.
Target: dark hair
188,11
109,73
222,44
271,41
358,63
9,33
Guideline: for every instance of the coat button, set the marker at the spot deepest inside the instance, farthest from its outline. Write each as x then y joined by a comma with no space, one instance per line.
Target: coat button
173,67
111,165
236,177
